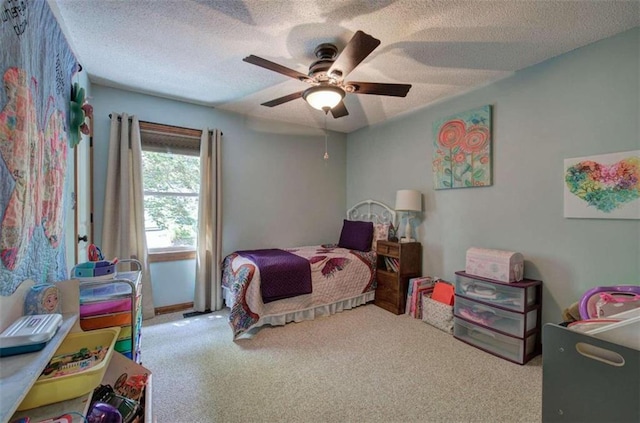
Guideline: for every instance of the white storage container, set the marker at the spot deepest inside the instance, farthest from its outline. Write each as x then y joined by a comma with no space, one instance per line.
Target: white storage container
502,266
625,332
29,333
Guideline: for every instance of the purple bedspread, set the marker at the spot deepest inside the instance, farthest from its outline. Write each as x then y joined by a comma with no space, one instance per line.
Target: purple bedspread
282,274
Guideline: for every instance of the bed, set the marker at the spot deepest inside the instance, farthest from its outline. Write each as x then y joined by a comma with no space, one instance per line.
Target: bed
342,275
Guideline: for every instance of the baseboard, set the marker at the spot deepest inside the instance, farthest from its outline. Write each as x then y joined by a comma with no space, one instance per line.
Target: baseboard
173,308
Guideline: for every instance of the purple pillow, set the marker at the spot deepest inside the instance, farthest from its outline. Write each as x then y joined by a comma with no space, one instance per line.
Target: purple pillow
356,235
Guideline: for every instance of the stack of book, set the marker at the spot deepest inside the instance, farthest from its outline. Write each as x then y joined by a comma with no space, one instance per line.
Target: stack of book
417,288
392,264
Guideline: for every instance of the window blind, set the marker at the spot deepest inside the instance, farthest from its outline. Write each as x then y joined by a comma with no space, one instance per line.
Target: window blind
170,139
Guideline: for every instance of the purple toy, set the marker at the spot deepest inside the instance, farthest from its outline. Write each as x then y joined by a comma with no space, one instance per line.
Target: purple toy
104,413
588,301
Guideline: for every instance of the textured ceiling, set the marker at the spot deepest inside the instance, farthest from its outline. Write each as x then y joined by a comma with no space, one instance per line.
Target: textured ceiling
192,50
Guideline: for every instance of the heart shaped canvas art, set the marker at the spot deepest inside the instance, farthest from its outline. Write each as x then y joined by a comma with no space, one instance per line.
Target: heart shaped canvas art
605,186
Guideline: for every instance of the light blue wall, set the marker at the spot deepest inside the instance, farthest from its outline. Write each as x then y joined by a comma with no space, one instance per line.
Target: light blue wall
277,189
579,104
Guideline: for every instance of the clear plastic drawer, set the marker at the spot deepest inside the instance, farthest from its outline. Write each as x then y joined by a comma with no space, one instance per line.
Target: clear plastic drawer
509,322
515,296
513,349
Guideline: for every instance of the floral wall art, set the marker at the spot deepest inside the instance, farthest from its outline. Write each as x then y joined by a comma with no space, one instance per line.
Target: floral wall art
462,150
605,186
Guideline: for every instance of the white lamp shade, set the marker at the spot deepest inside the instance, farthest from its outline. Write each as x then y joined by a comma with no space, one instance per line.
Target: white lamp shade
408,200
323,97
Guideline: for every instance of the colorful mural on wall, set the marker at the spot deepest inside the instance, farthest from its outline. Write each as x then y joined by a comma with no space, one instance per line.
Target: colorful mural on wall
462,150
605,186
36,65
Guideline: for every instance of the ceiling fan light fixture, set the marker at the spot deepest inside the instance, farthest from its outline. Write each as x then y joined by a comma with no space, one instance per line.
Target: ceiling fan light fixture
323,97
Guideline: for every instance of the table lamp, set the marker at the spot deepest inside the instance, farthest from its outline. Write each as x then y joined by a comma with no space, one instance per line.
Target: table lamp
409,201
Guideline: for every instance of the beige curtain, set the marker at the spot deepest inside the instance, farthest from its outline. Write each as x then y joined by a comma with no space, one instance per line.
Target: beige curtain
208,291
123,233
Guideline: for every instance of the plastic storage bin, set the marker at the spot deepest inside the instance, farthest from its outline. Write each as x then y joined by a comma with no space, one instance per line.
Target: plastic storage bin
29,333
626,332
61,388
99,292
512,349
515,295
105,297
105,307
105,321
93,269
504,321
588,380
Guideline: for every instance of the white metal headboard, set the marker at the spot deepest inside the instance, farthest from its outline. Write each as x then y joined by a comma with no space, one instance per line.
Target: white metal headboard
372,211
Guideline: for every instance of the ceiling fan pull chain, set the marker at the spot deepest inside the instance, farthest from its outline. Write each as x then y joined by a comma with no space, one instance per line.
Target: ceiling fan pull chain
326,153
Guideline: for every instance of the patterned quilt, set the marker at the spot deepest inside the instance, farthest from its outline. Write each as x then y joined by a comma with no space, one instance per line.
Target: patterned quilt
336,274
36,67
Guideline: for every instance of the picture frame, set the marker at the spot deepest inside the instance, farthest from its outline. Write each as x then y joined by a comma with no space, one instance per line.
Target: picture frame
604,186
462,150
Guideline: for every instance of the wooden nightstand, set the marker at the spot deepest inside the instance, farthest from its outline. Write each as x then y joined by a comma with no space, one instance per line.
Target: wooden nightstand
391,292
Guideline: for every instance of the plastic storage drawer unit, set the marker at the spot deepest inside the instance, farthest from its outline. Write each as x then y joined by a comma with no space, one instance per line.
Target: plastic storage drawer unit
507,322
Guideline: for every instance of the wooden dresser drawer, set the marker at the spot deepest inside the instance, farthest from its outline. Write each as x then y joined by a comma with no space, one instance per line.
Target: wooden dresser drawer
388,248
387,293
387,285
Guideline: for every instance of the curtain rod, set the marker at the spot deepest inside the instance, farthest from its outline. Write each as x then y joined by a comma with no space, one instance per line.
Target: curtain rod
164,124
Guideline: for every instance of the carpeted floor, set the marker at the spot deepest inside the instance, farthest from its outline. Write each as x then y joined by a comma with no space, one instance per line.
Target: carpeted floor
361,365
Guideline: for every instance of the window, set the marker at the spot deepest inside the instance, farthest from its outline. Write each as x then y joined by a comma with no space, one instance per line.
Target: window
171,182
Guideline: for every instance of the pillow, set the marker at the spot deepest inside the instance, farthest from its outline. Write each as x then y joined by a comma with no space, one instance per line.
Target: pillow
356,235
380,232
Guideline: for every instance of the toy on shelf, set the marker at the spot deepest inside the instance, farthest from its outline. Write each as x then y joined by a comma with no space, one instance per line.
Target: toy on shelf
73,362
603,301
42,299
29,333
95,253
104,269
97,268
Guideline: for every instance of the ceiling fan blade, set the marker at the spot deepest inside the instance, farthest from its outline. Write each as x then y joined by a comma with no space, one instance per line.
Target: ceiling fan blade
339,110
359,47
395,90
282,100
259,61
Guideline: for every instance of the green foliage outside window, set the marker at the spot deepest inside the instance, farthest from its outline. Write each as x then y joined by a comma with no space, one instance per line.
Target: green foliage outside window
171,183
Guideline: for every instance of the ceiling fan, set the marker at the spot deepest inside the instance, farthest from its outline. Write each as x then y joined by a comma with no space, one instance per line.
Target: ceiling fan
326,76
